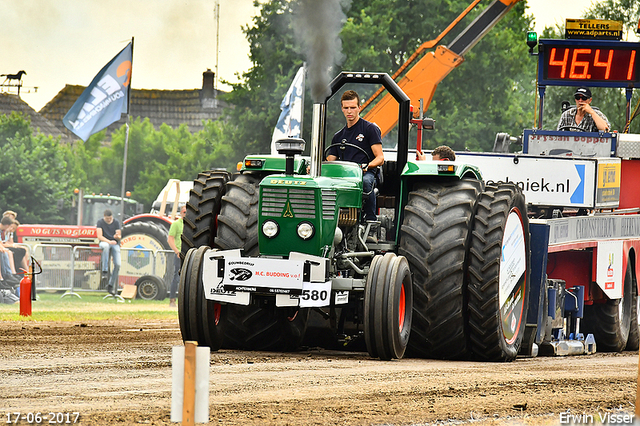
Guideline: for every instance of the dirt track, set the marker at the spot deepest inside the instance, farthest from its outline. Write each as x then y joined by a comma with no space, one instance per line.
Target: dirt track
120,373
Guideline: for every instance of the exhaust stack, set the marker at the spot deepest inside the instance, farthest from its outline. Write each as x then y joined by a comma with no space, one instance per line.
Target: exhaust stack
317,136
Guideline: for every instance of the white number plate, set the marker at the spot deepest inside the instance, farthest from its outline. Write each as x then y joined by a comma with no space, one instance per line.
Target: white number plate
315,295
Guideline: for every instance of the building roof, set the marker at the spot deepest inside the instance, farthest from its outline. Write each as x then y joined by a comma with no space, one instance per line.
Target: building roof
39,124
173,107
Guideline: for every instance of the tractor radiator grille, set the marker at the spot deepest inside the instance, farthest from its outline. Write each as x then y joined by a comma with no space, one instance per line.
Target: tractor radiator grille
328,204
282,202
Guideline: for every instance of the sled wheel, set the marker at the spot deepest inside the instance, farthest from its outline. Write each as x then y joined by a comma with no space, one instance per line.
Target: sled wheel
203,207
387,309
151,287
434,237
633,343
499,269
184,308
610,322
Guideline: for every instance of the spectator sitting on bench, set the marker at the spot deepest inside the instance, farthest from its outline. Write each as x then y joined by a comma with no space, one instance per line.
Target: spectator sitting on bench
21,255
8,275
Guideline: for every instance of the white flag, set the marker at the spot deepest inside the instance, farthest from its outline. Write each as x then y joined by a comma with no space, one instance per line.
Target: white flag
290,120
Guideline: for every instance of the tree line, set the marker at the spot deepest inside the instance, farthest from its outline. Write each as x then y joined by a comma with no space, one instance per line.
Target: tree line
493,91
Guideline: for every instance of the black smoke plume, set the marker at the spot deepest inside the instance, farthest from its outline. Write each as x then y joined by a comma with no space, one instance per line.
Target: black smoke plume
317,25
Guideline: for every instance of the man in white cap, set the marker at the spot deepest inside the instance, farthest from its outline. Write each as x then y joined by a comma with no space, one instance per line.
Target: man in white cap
583,117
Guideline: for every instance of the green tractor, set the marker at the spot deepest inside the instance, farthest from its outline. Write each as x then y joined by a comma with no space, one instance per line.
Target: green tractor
279,255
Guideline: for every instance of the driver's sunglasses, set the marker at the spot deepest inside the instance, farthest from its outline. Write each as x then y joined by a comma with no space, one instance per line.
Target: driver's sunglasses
581,98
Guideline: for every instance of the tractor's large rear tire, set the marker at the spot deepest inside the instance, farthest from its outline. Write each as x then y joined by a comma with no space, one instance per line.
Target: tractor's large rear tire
388,305
265,327
200,319
238,219
434,237
499,270
610,321
203,207
259,326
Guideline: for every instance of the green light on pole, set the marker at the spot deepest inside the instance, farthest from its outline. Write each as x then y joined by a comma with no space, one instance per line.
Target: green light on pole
532,40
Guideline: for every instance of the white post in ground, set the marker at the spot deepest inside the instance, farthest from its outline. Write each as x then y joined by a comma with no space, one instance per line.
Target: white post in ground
190,384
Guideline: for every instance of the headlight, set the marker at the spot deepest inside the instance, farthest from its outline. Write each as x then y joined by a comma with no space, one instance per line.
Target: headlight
270,228
305,230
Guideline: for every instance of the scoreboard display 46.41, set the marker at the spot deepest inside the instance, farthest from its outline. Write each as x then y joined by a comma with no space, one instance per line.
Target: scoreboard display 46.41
601,63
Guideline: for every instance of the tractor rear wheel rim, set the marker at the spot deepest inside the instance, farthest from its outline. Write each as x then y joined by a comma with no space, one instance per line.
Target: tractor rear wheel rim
510,322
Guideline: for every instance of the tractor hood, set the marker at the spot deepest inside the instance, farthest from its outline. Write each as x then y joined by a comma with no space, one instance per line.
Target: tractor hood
300,213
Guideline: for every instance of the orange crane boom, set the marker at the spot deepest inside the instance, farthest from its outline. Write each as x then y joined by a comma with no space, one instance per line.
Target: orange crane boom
422,79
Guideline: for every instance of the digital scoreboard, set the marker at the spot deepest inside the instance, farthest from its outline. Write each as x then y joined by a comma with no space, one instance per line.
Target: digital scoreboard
593,63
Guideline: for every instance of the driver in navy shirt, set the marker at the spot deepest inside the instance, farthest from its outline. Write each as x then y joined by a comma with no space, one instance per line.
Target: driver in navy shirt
367,137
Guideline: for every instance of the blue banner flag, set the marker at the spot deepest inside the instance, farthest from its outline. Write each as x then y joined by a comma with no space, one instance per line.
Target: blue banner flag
105,99
290,120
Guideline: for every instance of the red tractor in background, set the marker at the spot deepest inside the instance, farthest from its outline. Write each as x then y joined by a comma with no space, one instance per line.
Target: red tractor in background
145,254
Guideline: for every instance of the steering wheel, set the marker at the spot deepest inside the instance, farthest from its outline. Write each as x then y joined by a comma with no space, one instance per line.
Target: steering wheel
341,146
571,129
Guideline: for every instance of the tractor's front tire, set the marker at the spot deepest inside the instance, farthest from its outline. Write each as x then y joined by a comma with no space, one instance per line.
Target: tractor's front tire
388,304
499,270
200,319
185,309
434,237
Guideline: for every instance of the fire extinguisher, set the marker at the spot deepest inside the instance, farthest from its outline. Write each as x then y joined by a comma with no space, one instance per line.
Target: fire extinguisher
25,295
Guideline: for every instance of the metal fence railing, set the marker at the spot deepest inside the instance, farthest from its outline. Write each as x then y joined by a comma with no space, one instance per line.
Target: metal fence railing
75,269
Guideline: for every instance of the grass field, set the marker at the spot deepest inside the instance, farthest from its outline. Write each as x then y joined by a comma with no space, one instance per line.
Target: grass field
90,306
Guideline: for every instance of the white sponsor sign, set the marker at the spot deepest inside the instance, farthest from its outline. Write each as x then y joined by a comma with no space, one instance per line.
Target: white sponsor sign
542,143
544,181
589,228
257,274
213,289
609,268
287,300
